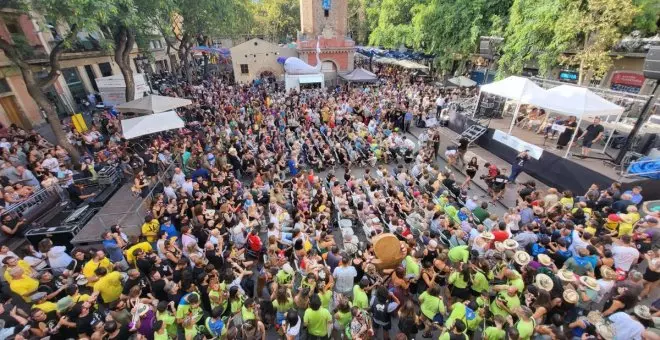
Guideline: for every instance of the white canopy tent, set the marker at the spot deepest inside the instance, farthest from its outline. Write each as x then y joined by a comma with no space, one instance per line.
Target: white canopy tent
157,122
519,89
153,104
462,81
580,102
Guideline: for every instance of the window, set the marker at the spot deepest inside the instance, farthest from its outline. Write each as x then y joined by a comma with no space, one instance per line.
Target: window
245,69
12,26
4,86
106,69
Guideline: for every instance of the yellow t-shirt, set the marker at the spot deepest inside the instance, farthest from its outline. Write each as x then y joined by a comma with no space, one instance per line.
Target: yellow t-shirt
27,270
46,307
567,202
150,230
109,286
24,287
627,222
142,245
90,267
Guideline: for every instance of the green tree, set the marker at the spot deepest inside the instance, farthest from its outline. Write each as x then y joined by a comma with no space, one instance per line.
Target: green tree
80,16
394,26
646,21
569,32
537,32
278,20
186,23
451,28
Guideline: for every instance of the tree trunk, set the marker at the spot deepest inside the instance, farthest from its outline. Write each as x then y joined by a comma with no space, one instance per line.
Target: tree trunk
362,23
122,50
51,113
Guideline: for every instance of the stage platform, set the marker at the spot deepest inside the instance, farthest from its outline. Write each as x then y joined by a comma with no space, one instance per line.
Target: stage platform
123,208
549,145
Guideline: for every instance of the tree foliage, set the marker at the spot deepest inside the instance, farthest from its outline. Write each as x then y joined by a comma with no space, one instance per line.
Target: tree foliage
569,32
277,20
394,27
79,16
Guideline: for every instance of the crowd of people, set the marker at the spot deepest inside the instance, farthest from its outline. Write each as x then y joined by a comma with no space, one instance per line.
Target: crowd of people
271,220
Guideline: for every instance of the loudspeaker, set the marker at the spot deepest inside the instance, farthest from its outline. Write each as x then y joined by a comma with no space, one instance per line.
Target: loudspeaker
652,63
646,143
60,235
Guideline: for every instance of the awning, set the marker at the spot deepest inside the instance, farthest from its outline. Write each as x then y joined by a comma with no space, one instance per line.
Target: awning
580,102
145,125
310,78
153,104
360,75
519,89
463,81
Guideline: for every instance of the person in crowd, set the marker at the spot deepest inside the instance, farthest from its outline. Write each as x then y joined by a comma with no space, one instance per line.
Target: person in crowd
257,222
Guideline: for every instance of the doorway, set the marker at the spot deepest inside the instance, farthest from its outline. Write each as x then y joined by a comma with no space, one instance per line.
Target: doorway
14,113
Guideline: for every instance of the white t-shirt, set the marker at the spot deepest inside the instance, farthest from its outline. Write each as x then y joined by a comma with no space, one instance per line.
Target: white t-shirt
624,257
295,330
625,327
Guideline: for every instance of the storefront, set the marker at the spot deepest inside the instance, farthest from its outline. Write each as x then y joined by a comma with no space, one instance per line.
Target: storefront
627,82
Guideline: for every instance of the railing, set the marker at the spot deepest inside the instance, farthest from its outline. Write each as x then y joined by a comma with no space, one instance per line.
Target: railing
38,198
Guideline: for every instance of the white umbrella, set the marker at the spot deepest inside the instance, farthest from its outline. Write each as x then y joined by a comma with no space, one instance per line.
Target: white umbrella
145,125
153,104
463,81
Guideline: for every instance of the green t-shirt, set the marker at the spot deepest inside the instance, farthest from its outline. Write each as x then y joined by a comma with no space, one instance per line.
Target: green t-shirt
169,321
360,298
412,267
344,318
283,308
317,321
159,336
190,332
235,305
326,297
431,305
456,279
459,254
185,309
457,313
480,282
511,303
247,314
217,294
494,333
525,329
518,283
446,336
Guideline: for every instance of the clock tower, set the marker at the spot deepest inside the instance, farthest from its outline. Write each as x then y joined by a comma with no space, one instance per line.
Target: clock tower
326,20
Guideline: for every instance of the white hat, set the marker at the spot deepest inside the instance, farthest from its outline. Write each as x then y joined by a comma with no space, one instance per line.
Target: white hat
605,330
487,235
522,258
590,282
643,312
566,275
544,282
288,269
571,296
510,244
545,260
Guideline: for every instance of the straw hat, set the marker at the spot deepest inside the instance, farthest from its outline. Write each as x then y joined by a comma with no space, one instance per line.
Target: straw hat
499,246
566,275
545,260
522,258
590,282
643,312
571,296
595,317
544,282
487,235
605,330
510,244
607,273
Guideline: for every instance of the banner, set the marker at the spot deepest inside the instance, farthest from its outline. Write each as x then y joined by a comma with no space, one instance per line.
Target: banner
518,144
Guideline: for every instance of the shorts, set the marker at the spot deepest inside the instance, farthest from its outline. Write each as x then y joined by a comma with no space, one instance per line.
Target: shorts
386,327
587,143
651,276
